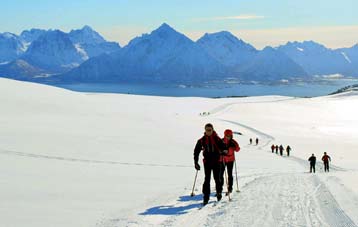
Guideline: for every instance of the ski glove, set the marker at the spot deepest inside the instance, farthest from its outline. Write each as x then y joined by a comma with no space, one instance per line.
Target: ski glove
197,166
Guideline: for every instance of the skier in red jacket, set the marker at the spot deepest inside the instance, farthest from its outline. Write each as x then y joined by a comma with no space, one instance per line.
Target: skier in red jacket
326,159
229,158
273,148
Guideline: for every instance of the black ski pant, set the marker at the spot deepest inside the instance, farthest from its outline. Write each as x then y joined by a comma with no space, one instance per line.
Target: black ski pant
313,167
215,168
229,167
326,166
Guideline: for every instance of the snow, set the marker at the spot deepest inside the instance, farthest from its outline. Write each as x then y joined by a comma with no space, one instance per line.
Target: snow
89,159
300,49
346,57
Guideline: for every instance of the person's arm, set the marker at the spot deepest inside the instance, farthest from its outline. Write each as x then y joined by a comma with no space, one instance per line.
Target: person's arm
197,150
329,157
236,146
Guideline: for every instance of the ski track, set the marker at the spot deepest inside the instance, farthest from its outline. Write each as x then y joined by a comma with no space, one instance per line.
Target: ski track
60,158
284,199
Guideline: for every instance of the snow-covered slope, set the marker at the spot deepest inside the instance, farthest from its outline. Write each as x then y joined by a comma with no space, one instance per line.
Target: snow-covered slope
227,49
85,159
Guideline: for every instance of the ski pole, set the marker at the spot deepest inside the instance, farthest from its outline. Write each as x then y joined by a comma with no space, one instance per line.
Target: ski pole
196,175
237,181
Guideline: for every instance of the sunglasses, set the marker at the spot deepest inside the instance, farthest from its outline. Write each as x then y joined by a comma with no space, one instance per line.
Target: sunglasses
208,130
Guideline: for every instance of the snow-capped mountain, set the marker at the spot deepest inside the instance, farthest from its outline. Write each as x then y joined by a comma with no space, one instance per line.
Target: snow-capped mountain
10,47
91,42
53,51
272,65
227,48
351,56
316,59
164,54
28,36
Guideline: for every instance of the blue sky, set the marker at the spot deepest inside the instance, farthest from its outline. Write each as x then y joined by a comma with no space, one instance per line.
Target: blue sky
260,22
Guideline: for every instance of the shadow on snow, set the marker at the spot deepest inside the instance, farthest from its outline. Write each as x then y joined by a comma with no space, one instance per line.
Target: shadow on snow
175,210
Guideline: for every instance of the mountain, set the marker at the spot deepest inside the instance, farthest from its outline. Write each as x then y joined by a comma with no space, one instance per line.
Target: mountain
316,59
227,49
28,36
351,56
20,70
162,55
272,65
91,42
10,47
53,51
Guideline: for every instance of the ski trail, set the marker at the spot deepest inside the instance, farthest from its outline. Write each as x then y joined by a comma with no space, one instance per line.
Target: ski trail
280,200
223,107
262,135
60,158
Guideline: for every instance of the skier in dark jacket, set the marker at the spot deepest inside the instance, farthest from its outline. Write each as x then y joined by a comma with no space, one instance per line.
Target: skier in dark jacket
276,149
281,150
231,146
250,141
312,161
257,141
212,147
273,148
326,159
288,150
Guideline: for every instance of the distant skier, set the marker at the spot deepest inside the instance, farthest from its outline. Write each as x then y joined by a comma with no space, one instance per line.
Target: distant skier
257,141
312,161
250,141
281,150
231,146
276,149
273,148
212,147
326,159
288,150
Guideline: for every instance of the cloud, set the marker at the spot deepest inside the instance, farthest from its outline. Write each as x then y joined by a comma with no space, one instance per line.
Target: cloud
238,17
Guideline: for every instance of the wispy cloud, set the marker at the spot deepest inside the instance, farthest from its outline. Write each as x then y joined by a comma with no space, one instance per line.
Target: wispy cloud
238,17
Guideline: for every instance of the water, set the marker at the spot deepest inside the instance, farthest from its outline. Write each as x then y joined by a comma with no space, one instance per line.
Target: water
216,90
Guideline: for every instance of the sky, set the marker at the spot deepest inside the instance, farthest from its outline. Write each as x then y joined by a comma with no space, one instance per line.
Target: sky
259,22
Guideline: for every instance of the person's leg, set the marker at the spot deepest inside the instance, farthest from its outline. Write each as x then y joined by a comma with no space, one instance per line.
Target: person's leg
206,185
230,166
311,167
217,178
314,168
325,166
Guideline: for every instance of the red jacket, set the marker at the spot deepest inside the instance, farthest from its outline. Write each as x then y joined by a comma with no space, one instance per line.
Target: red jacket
232,146
326,158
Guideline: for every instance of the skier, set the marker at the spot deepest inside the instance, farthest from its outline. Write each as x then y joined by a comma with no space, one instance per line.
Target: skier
229,158
312,161
212,147
326,159
257,141
273,148
276,149
250,141
281,150
288,149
